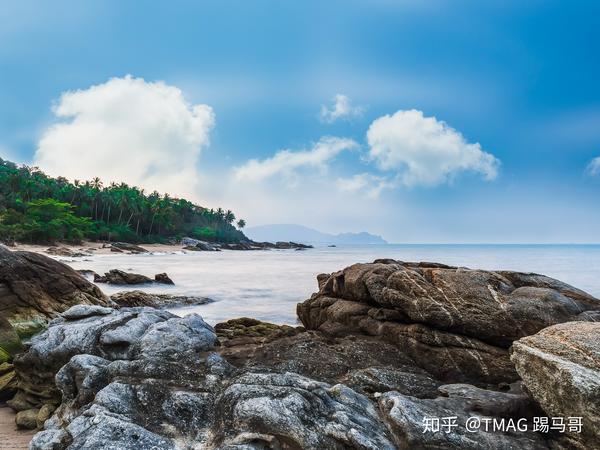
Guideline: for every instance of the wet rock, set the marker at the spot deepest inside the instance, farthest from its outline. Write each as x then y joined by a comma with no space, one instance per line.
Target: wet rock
116,276
139,298
163,278
560,366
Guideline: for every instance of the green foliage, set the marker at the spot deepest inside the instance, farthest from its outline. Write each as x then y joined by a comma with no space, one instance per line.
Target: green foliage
37,208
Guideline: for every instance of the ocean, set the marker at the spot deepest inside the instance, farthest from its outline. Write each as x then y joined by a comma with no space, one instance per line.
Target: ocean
267,285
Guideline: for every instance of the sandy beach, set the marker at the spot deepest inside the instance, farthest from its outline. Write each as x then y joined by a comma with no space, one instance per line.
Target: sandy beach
10,437
96,248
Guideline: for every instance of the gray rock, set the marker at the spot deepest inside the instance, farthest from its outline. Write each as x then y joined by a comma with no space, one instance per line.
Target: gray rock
406,418
298,412
561,368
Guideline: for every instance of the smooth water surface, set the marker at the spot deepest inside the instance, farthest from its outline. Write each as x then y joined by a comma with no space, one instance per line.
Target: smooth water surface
267,285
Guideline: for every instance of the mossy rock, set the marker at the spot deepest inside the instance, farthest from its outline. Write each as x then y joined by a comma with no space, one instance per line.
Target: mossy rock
8,382
10,343
28,323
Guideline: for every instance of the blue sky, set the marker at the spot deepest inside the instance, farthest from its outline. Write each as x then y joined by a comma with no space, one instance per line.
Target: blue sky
518,78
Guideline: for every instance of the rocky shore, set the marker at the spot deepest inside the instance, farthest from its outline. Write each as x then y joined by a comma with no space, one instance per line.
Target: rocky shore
383,348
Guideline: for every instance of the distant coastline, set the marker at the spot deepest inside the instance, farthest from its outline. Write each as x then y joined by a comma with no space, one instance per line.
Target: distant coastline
300,233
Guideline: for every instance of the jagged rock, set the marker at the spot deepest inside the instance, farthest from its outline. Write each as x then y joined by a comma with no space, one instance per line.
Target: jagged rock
126,246
300,412
35,288
464,319
163,278
139,298
560,366
109,334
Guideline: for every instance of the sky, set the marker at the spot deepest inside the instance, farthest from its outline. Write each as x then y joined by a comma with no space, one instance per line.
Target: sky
422,121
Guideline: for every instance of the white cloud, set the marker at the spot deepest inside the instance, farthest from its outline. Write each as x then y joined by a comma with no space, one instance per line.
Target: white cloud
127,129
425,151
342,108
366,183
593,168
287,162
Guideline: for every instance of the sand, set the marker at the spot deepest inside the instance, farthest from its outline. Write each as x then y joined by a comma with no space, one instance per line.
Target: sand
10,437
96,248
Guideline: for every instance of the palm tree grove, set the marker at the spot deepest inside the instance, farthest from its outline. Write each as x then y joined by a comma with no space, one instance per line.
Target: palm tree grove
37,208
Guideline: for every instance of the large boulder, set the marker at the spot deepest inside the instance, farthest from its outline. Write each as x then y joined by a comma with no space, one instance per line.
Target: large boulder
35,288
560,366
464,320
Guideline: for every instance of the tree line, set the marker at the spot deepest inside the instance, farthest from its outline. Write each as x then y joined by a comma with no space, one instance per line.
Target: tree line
37,208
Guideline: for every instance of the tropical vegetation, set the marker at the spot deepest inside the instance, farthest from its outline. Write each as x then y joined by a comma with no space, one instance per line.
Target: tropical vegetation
37,208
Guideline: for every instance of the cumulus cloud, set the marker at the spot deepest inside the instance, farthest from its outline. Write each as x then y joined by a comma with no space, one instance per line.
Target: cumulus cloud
365,183
127,129
425,151
342,108
593,168
286,162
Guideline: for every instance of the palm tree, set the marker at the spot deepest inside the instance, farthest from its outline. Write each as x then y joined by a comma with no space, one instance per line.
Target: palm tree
241,223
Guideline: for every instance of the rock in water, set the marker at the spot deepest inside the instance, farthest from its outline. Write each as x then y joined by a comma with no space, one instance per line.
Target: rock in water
139,298
561,368
116,276
163,278
463,319
35,288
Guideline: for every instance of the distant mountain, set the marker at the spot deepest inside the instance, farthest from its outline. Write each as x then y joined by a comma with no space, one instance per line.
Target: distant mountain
300,233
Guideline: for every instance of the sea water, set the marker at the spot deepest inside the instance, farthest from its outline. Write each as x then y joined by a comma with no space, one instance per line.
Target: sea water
267,285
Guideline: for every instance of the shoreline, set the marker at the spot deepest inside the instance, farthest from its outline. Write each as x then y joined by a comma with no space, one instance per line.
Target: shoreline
11,438
95,248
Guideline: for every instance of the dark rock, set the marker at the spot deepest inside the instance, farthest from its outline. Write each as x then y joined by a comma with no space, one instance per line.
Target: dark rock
35,288
116,276
139,298
163,278
560,366
125,246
